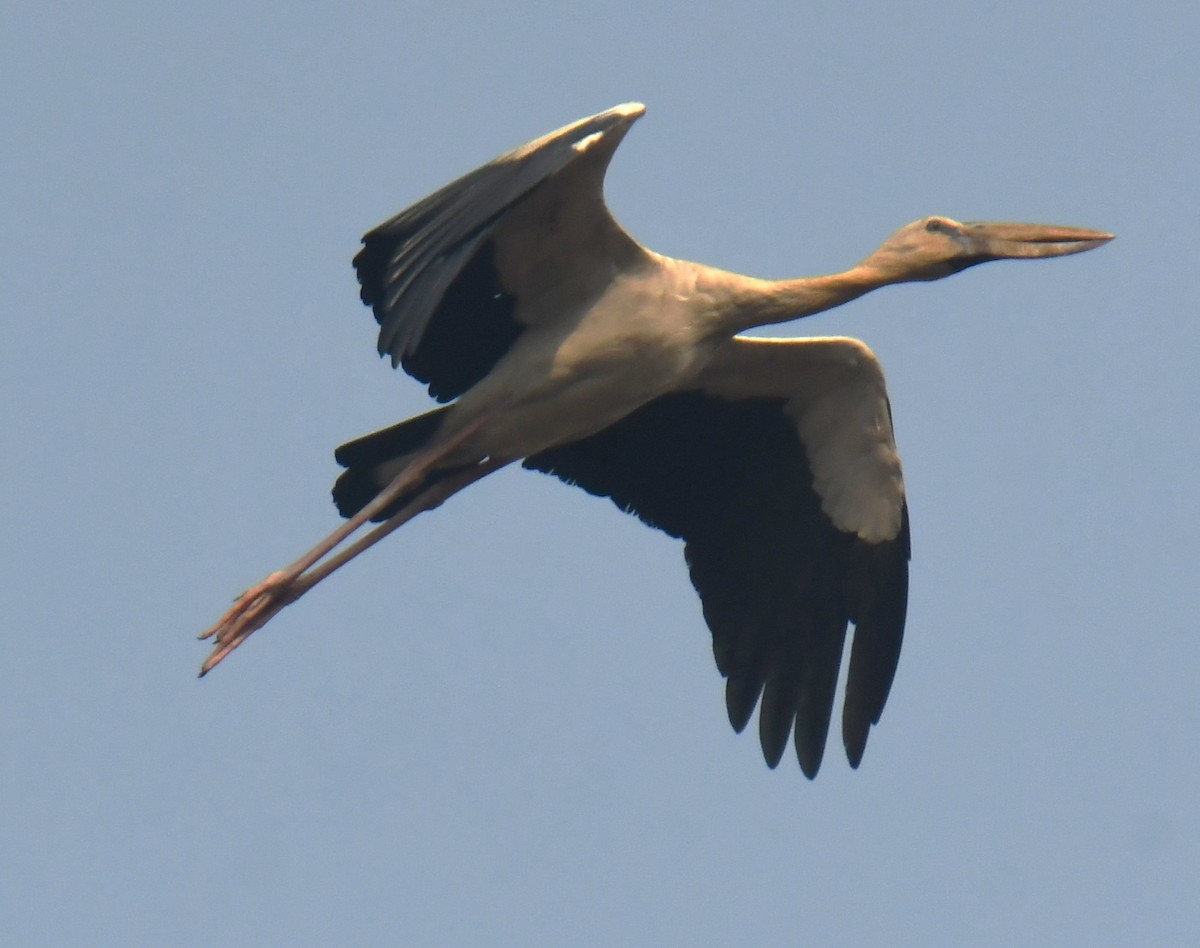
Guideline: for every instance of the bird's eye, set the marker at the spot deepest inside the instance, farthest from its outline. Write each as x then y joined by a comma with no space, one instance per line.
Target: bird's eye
934,225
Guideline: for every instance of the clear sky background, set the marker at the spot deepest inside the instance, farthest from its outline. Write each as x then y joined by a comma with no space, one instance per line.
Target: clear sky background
504,725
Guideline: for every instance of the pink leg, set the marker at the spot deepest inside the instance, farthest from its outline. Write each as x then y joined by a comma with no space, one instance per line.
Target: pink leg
258,604
266,604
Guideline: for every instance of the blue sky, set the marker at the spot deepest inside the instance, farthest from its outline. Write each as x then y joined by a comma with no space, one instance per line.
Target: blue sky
504,724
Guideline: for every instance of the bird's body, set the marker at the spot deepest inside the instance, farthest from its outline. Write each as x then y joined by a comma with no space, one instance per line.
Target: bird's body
558,339
580,375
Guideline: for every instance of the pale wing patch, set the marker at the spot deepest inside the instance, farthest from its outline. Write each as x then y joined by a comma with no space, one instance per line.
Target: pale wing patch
856,470
585,143
835,394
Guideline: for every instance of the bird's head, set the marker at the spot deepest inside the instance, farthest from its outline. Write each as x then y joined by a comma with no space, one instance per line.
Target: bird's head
936,247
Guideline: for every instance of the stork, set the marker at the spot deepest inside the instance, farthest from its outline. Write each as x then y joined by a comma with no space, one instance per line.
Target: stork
559,340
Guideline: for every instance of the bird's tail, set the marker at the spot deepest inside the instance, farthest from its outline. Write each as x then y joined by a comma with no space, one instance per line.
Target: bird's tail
373,460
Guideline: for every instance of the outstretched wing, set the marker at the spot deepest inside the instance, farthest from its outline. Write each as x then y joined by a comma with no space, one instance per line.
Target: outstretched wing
454,279
781,475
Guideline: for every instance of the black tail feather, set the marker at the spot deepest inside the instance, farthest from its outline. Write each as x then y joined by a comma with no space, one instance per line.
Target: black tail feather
359,484
390,443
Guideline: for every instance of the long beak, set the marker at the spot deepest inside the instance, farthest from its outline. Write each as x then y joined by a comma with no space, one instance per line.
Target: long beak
1014,241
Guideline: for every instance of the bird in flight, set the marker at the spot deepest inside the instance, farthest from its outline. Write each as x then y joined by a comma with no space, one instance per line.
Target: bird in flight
554,338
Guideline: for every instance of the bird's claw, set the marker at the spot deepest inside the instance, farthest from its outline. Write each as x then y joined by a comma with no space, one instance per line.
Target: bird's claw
252,610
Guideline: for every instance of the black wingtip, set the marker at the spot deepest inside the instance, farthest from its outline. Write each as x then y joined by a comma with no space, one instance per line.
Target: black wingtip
855,741
810,748
773,736
741,696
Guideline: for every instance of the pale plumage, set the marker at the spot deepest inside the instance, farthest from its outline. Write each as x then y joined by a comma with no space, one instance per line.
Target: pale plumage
558,339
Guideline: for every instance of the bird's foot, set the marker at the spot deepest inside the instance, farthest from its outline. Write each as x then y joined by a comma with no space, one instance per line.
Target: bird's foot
253,609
